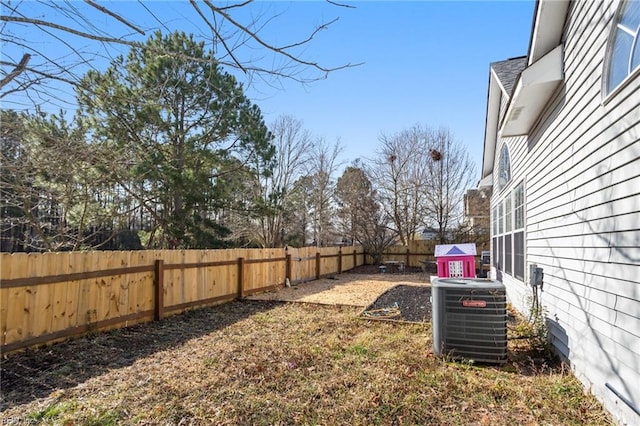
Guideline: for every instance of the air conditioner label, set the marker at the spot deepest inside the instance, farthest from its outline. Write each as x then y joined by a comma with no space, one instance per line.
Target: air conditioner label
474,303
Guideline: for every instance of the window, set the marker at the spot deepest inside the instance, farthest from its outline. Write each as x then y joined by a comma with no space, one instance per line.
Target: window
518,255
456,269
518,212
623,51
518,232
494,240
494,221
508,233
508,250
500,251
507,214
504,167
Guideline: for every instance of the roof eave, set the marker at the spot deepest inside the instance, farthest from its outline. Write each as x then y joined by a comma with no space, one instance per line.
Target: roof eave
534,89
547,27
546,34
491,124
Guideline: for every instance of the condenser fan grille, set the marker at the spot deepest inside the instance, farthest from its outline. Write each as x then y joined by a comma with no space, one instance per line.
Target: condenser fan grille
470,322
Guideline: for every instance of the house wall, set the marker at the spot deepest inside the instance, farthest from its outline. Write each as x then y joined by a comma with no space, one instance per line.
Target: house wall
476,209
581,165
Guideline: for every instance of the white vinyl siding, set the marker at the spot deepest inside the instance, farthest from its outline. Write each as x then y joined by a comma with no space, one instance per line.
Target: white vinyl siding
581,165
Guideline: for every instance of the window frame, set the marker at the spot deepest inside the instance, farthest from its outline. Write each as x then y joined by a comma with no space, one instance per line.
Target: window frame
519,232
608,93
508,213
508,253
504,167
508,236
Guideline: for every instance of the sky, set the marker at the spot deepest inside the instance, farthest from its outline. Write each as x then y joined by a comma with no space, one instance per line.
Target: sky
425,63
422,62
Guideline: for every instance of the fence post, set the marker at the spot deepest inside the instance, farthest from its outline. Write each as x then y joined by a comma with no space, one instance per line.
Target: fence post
340,260
287,269
158,302
408,252
240,277
318,265
355,258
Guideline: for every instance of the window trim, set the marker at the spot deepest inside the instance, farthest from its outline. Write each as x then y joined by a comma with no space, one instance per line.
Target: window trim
515,207
608,96
620,87
501,236
521,186
508,254
504,151
508,213
515,256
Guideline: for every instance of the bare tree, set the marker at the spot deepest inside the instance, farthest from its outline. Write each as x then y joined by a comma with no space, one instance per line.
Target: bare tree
321,170
355,197
30,67
451,173
421,176
299,217
399,174
374,235
360,215
278,185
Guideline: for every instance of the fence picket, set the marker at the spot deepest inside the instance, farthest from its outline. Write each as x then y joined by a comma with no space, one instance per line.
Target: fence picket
52,296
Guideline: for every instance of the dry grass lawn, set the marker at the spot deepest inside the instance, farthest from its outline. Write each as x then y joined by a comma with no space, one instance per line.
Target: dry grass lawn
274,363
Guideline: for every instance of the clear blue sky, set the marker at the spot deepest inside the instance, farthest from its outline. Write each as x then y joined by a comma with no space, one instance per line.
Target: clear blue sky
425,62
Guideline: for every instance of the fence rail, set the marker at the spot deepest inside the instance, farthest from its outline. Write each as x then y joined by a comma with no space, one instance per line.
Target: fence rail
46,297
413,255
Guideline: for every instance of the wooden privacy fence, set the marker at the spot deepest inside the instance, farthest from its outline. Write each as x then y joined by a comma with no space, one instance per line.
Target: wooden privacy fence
413,254
45,297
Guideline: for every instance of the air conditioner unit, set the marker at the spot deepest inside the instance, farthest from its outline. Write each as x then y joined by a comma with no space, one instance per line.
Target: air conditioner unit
469,319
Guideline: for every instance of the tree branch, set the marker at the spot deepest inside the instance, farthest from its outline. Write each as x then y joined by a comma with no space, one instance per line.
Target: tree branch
219,37
280,50
19,68
340,4
114,15
39,22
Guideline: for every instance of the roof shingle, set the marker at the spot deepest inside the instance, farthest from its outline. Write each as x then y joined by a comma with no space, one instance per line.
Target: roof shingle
508,71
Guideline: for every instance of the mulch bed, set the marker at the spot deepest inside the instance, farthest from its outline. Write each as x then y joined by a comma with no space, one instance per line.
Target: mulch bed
407,303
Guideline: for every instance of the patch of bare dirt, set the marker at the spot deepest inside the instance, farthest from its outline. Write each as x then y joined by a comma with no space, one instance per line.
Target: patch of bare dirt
359,287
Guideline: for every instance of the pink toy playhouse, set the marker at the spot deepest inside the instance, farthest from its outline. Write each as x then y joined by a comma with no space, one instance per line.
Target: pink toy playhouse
456,260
